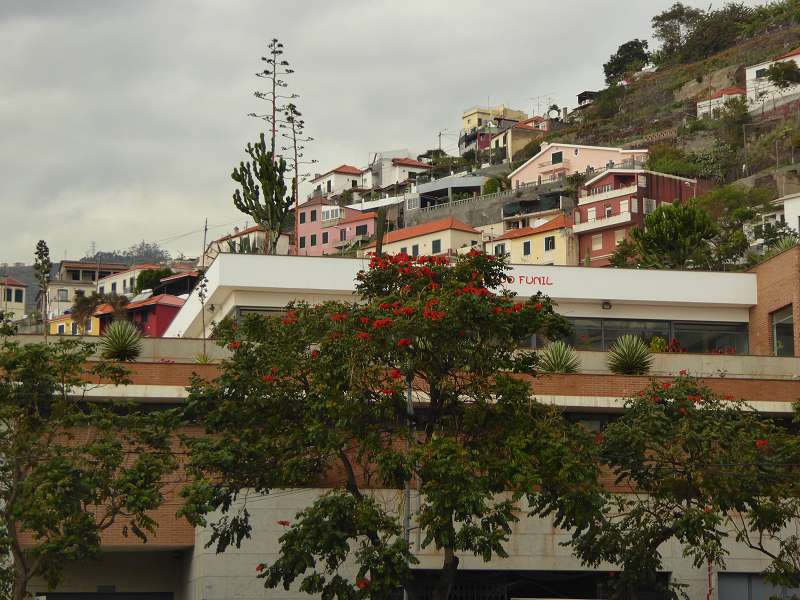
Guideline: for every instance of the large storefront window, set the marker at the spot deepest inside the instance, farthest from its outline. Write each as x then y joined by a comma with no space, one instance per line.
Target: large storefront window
783,332
689,336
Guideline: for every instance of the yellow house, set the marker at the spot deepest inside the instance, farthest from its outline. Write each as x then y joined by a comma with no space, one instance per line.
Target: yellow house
552,243
66,325
481,115
445,236
12,298
516,137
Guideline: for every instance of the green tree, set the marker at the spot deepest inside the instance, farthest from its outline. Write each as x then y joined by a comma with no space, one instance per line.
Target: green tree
672,28
784,74
41,270
151,278
323,389
67,471
85,306
669,159
263,194
706,470
674,236
608,101
629,56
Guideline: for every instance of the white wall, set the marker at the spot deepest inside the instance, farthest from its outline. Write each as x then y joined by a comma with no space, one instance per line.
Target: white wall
761,93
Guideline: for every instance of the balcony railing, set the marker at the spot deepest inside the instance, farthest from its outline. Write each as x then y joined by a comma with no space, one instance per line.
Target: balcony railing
481,198
602,222
631,189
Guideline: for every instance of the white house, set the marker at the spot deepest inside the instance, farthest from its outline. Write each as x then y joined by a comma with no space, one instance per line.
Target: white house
336,181
713,106
761,92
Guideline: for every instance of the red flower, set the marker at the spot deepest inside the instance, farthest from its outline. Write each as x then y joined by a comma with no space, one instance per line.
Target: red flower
396,374
762,443
538,306
432,302
284,523
385,322
434,285
405,289
314,353
268,378
338,316
234,345
666,386
682,410
598,438
259,568
707,508
683,372
364,320
385,306
387,391
363,335
403,342
694,398
362,583
497,310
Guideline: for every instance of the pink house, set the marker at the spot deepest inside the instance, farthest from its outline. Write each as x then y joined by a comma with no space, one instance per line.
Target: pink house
326,228
555,161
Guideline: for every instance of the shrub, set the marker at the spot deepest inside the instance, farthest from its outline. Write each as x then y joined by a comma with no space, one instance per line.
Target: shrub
558,357
658,344
122,342
629,356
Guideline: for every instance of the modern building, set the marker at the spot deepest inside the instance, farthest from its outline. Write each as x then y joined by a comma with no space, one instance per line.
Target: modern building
762,94
551,243
613,201
445,236
447,189
153,315
251,239
12,298
713,105
556,161
123,283
178,284
476,116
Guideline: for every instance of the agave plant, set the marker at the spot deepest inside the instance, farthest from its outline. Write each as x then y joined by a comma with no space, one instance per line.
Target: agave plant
558,357
121,342
629,356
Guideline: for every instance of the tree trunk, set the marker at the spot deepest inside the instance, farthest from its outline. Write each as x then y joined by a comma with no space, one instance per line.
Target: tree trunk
447,576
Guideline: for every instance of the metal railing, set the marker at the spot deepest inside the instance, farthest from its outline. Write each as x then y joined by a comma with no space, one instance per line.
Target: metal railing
481,198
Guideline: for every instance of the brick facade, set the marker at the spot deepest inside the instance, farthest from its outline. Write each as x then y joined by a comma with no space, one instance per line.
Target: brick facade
778,287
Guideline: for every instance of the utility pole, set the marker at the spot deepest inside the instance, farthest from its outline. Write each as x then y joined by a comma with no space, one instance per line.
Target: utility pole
201,292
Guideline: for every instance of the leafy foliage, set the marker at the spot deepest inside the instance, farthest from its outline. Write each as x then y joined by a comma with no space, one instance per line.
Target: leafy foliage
629,56
705,469
629,355
121,342
151,278
784,74
70,468
483,448
558,357
665,158
143,252
263,190
41,269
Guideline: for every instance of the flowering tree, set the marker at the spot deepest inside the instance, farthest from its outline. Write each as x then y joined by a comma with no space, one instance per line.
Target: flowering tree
697,469
321,394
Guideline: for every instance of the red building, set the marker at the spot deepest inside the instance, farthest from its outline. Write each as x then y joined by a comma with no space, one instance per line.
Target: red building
616,200
153,315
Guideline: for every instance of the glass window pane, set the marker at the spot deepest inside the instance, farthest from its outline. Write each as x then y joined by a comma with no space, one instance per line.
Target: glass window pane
647,330
718,338
587,334
783,331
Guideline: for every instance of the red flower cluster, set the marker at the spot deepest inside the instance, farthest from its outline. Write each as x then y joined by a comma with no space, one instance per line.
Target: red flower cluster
538,306
362,583
268,378
314,353
387,391
385,322
235,345
509,310
405,311
666,386
338,316
259,568
402,342
363,335
284,523
396,374
695,398
364,320
434,315
762,443
290,318
475,291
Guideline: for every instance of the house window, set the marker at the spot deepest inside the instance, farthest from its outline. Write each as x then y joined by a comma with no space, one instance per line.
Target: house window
526,248
303,217
403,250
591,214
597,242
480,121
415,250
342,235
619,235
63,295
313,215
114,288
558,157
608,211
623,206
102,290
124,286
354,183
18,296
313,239
60,330
361,230
761,73
499,249
8,294
783,332
88,325
577,217
328,186
634,205
436,246
131,285
649,205
549,243
412,202
74,328
324,237
303,241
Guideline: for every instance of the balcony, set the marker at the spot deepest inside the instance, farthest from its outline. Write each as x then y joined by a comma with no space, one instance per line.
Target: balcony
602,222
549,167
624,191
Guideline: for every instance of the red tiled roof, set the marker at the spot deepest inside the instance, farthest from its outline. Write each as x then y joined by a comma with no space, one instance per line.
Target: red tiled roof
343,169
161,299
241,232
410,162
318,201
179,275
426,228
103,309
559,222
358,217
11,282
728,91
791,53
92,265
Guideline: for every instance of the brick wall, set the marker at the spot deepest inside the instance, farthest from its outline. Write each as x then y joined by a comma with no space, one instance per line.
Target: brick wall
778,286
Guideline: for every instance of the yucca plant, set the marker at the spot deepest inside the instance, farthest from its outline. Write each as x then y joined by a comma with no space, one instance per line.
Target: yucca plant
629,356
121,342
558,357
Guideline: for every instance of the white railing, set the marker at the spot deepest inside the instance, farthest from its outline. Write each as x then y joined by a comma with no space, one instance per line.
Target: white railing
618,219
631,189
480,198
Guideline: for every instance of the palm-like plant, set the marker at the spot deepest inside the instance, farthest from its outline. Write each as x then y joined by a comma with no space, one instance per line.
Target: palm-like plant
558,357
629,356
121,342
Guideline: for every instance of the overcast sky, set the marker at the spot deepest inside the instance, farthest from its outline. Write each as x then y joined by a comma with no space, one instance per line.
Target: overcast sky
121,120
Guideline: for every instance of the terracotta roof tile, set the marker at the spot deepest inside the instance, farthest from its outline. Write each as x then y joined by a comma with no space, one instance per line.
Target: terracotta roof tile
180,275
343,169
410,162
795,52
426,228
728,91
358,217
560,222
11,282
161,299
